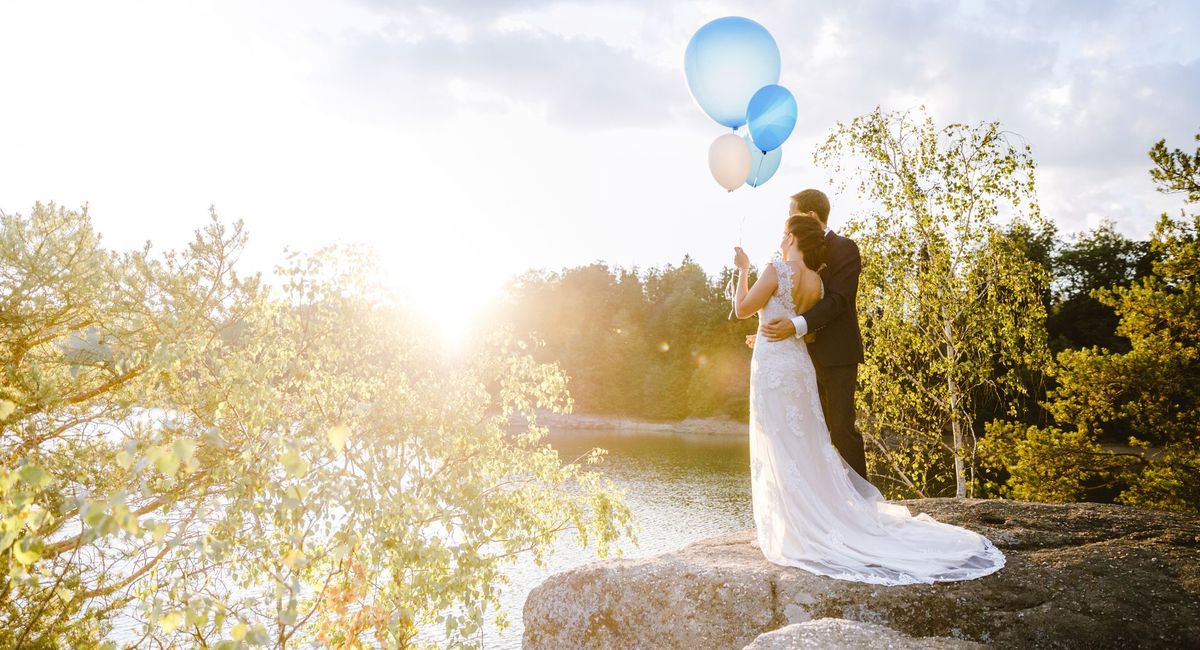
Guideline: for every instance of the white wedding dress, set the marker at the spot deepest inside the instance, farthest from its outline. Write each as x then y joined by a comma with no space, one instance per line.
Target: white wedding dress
811,510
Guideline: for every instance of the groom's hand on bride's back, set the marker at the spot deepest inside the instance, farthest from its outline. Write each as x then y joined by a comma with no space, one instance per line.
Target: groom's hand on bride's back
779,329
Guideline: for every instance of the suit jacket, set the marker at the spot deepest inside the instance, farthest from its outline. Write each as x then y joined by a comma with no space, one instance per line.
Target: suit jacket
835,317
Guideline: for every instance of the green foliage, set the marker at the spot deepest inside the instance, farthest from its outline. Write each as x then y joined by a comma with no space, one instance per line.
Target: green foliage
238,464
656,344
1149,388
1099,259
1176,170
1153,389
1078,266
950,303
1040,463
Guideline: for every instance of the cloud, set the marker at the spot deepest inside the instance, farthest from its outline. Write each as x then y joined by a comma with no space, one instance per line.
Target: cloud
1090,86
469,9
580,81
1052,71
1076,102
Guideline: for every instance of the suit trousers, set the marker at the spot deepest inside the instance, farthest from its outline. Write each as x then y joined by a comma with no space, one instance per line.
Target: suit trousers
836,385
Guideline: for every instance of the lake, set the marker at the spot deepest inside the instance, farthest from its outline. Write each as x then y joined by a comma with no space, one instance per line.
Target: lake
681,488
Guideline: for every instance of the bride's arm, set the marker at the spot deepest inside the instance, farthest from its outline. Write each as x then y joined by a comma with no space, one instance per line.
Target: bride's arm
748,300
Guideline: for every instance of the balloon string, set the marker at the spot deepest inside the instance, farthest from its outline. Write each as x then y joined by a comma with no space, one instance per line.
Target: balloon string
758,171
731,289
731,286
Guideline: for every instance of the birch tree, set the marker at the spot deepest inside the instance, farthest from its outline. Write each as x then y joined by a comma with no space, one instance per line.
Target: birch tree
950,307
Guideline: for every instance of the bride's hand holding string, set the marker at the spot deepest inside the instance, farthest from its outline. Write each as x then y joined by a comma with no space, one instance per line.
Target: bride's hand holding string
740,259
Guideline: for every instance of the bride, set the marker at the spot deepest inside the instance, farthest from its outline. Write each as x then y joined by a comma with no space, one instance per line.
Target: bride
810,509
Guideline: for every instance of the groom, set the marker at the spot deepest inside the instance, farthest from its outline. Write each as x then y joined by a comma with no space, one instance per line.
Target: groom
838,347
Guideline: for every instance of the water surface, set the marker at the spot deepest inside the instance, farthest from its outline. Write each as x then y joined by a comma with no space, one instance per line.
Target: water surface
681,488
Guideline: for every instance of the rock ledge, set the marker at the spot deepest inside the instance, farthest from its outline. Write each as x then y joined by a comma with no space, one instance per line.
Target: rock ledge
839,633
1080,575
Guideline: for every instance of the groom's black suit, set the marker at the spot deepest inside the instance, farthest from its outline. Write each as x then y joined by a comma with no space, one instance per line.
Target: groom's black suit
838,347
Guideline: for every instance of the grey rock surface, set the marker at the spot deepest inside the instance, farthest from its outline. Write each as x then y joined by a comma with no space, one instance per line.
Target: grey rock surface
1079,575
825,633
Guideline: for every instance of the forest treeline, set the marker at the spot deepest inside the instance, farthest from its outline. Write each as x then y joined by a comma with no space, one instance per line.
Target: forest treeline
1003,358
657,343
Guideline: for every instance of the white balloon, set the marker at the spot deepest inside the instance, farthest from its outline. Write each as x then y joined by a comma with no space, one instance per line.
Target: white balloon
729,161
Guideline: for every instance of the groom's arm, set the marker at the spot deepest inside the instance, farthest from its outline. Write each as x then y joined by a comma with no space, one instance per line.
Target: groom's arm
839,293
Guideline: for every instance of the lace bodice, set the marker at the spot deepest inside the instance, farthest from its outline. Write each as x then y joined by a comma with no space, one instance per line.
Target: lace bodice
780,304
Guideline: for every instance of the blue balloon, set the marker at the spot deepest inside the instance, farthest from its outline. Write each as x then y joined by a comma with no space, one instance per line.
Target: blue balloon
762,166
726,62
772,116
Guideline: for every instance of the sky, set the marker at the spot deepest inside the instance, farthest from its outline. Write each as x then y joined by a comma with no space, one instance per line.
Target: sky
468,141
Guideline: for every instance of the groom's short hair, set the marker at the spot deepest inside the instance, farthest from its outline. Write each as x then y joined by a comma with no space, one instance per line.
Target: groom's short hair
812,201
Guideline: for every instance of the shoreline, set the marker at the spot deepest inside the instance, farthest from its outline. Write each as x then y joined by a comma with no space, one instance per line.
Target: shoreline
712,426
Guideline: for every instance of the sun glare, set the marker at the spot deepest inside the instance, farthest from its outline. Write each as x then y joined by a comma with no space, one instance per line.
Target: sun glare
453,301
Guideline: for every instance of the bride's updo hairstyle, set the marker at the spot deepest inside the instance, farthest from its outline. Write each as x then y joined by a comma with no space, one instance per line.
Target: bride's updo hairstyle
810,239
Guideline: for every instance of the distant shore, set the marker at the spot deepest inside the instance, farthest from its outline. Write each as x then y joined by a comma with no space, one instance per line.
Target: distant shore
716,426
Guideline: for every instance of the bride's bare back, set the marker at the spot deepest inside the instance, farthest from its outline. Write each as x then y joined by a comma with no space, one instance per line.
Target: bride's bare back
806,287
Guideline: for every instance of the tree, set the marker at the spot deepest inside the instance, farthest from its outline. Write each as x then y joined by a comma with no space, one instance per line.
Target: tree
655,344
1150,389
1038,246
1099,259
680,318
240,464
950,306
1176,170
